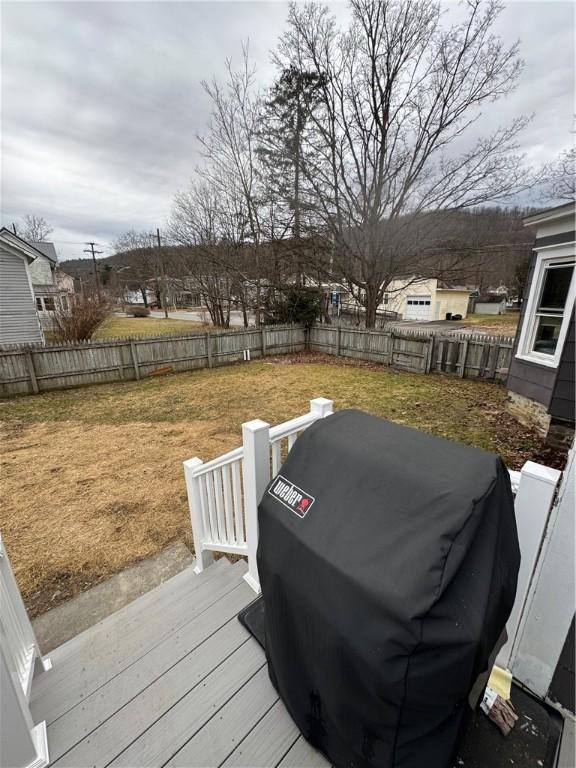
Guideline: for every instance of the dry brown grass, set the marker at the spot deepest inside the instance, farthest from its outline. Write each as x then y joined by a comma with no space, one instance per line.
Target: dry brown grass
92,478
495,325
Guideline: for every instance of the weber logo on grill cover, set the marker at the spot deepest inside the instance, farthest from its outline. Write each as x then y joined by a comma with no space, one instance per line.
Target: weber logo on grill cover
291,496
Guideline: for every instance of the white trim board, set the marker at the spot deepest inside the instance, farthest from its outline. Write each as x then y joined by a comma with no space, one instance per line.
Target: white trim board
550,254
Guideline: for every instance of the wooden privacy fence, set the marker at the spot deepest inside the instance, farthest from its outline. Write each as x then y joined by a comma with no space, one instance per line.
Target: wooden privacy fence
468,356
26,370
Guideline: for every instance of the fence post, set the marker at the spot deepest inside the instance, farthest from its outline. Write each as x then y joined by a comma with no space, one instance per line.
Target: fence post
464,358
263,334
256,442
31,371
208,349
430,355
204,557
23,744
134,355
338,341
532,506
321,406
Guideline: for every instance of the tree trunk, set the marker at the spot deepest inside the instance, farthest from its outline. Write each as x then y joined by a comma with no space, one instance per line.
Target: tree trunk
371,305
144,296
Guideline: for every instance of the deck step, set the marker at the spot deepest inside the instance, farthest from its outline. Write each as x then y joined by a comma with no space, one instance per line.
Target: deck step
121,644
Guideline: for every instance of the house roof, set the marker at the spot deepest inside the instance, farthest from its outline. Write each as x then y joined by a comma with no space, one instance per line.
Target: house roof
491,298
11,240
46,249
549,214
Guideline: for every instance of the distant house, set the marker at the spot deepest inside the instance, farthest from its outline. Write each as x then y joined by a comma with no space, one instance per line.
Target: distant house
421,300
492,304
541,378
19,319
53,289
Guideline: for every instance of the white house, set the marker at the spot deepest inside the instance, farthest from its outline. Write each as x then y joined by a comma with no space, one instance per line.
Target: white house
53,289
19,320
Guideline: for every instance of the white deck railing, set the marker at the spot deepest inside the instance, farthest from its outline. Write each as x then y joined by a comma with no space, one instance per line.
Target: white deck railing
224,495
22,744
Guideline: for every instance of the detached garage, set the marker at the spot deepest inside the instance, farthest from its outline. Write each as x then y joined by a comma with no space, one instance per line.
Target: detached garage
425,300
418,308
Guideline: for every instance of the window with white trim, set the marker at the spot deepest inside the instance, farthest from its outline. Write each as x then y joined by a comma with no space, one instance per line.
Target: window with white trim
548,310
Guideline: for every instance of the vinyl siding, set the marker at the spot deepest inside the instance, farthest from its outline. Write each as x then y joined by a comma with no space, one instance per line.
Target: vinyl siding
18,318
41,271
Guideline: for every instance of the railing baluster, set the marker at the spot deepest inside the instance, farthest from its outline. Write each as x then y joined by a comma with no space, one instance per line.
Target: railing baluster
228,512
276,456
238,501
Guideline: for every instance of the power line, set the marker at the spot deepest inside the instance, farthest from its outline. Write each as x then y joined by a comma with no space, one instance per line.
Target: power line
96,276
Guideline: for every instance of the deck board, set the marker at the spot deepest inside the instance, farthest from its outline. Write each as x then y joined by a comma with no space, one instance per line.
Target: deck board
67,685
302,755
174,588
173,680
79,722
159,742
267,743
220,736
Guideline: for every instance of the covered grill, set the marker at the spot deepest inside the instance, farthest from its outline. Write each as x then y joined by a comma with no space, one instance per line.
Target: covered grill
388,561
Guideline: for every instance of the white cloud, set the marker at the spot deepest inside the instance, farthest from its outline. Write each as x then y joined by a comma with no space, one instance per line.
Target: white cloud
102,101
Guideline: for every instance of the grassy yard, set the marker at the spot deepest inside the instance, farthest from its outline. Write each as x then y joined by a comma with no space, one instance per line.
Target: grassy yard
115,327
495,325
92,478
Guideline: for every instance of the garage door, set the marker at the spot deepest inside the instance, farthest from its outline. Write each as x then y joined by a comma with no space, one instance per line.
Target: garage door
418,308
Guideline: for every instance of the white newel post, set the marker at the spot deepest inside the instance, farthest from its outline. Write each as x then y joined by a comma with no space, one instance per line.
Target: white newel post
22,744
256,443
321,406
204,557
532,505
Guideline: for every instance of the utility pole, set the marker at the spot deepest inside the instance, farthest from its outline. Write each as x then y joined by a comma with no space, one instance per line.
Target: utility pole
163,274
96,276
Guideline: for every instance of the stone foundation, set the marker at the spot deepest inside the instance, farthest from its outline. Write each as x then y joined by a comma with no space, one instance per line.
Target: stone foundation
560,434
529,413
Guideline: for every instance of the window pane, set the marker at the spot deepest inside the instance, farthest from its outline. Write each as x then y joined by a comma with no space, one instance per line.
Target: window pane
39,303
555,288
49,304
547,332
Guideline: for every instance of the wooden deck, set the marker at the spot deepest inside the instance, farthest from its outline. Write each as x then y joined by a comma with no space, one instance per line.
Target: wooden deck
171,679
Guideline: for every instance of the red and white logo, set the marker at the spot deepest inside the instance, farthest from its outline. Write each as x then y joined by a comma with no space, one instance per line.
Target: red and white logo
297,500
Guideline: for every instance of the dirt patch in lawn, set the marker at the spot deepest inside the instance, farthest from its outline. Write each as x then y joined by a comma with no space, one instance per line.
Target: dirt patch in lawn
92,478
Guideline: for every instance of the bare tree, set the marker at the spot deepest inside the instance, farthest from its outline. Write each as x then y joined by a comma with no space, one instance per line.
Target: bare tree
35,228
230,151
393,136
560,178
144,264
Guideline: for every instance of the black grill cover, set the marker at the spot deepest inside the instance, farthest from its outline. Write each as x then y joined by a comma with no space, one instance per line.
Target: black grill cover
388,561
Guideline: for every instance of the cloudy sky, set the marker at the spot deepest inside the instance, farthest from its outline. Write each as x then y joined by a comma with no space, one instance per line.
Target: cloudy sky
102,102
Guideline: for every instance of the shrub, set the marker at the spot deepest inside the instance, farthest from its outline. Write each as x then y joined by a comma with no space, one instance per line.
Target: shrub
80,321
293,305
137,310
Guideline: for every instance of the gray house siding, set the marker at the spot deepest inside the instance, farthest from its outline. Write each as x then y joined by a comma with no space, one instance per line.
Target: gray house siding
530,379
562,400
41,271
19,322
